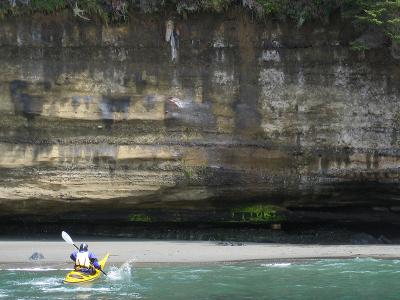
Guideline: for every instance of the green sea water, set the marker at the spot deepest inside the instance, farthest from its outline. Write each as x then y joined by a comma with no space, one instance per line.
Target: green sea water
361,278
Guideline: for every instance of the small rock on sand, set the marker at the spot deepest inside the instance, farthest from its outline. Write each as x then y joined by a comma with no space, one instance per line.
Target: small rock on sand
36,256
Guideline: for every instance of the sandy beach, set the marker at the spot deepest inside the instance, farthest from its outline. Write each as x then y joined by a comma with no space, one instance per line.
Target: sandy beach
19,252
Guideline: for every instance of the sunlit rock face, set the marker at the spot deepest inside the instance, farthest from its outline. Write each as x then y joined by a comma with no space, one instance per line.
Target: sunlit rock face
165,119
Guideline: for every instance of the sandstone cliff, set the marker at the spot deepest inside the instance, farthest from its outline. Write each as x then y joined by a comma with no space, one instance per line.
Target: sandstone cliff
215,118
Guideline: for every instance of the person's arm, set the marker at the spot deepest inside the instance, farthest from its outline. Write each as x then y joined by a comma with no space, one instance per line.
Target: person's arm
94,260
73,256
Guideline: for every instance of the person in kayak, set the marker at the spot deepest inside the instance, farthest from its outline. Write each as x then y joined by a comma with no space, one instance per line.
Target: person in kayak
85,261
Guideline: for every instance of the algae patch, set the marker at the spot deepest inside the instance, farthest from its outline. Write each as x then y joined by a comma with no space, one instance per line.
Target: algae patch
257,214
139,218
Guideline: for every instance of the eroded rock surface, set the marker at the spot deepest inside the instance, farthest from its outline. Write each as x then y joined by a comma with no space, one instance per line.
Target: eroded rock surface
234,120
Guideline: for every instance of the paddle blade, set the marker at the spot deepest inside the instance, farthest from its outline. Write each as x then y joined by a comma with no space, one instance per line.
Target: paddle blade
67,238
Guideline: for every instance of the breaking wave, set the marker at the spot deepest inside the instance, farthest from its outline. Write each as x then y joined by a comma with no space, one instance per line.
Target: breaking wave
32,269
276,265
72,289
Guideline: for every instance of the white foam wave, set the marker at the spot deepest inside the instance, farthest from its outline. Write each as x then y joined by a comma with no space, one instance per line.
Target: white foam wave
122,273
131,295
338,264
71,289
276,265
32,269
366,259
359,272
51,281
36,269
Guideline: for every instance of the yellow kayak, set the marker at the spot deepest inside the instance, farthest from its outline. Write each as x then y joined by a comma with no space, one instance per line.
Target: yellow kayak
78,277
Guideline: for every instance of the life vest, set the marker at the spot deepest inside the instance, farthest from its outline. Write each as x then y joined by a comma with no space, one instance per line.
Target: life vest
82,260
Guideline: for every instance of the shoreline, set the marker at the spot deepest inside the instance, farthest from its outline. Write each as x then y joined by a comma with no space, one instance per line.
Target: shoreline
56,253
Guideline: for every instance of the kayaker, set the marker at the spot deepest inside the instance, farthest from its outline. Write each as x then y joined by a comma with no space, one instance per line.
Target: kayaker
85,261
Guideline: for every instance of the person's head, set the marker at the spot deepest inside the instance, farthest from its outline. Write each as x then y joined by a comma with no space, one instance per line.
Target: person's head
83,247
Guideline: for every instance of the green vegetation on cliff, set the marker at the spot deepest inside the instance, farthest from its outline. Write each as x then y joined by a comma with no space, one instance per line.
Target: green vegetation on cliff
367,15
257,214
384,15
140,218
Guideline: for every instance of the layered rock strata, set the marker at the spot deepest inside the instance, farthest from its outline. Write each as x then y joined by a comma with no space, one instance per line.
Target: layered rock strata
217,118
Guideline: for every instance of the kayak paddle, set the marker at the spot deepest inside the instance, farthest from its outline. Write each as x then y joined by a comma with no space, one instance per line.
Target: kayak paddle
68,239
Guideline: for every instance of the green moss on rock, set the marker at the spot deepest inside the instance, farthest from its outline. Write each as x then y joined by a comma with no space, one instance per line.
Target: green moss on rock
258,213
140,218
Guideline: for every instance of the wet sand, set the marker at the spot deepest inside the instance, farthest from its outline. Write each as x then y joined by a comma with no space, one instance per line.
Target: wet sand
17,253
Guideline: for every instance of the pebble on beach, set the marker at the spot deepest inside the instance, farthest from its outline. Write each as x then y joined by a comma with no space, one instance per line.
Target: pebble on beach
36,256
